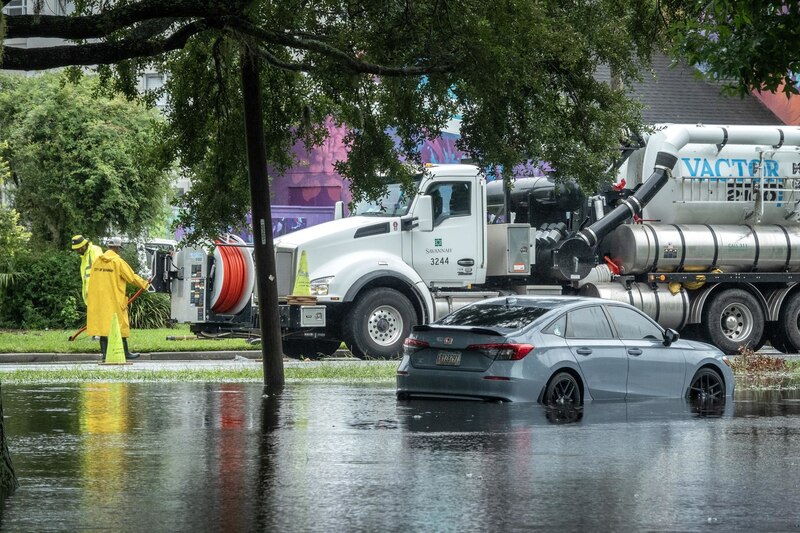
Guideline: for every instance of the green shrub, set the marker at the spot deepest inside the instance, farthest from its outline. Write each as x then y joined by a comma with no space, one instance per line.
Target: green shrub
47,292
149,311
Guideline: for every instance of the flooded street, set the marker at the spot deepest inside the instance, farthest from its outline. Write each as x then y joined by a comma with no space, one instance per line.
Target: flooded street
188,456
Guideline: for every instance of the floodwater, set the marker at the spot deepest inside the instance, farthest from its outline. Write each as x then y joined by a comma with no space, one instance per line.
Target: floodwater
328,457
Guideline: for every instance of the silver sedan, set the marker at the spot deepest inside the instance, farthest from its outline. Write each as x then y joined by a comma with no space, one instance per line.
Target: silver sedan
558,351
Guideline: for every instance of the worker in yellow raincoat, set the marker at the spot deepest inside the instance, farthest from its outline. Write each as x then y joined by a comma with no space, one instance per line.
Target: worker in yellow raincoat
110,274
89,253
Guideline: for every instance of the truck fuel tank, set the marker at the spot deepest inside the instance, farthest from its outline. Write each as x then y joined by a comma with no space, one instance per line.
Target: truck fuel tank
669,310
641,248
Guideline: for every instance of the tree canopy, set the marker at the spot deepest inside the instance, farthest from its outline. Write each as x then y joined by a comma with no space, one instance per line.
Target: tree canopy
13,237
80,163
519,74
751,46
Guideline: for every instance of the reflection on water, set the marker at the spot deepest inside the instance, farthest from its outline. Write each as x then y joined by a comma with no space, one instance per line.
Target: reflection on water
187,457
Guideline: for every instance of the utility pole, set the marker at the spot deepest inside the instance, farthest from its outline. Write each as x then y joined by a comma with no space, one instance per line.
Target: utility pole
266,283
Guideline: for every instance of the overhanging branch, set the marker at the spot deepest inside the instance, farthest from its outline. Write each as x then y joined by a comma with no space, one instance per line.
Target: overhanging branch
273,60
241,27
115,18
95,53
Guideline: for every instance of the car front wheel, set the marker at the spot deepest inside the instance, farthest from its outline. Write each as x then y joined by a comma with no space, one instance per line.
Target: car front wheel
707,388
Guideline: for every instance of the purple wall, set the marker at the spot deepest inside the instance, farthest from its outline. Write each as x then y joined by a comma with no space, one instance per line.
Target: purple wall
313,182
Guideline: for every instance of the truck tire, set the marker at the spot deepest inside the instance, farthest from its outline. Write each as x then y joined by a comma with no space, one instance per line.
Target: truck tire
378,323
733,318
789,324
309,348
777,338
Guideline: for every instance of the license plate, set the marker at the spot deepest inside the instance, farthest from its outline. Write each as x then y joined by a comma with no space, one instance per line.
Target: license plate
448,358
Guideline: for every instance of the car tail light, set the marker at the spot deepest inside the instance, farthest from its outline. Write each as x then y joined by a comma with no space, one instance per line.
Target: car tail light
502,352
412,345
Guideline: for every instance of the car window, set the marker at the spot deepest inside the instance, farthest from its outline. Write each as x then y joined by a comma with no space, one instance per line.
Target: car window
511,313
588,323
558,327
632,325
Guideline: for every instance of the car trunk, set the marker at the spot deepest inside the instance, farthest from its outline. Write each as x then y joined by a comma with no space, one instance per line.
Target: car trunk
454,348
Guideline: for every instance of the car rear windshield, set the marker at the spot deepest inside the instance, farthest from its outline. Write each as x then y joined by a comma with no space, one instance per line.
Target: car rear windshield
511,314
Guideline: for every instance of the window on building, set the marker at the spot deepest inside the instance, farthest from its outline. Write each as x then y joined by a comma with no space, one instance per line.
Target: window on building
16,7
155,83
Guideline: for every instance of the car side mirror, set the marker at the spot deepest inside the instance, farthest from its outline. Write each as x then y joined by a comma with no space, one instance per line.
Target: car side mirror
670,336
423,212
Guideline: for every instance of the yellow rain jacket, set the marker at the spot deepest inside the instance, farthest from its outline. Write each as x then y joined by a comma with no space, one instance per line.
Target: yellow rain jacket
110,274
87,260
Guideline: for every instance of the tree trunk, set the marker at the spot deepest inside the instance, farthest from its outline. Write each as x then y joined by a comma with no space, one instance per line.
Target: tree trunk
266,283
8,479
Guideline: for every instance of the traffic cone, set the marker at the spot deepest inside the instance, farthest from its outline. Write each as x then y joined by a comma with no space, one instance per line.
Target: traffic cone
301,282
115,352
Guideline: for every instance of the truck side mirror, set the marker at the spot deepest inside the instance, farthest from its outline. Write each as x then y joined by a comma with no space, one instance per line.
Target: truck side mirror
338,210
423,212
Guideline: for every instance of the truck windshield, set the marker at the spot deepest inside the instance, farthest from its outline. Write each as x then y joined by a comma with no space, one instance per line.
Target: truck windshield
393,204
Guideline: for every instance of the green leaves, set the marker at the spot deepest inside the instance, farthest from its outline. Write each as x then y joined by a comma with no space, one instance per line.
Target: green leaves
82,163
150,311
748,46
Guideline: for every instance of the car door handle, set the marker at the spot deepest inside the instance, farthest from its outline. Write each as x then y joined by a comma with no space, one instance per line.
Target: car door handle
584,351
634,351
466,262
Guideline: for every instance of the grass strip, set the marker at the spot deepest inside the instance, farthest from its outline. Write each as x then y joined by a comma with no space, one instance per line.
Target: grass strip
250,373
141,340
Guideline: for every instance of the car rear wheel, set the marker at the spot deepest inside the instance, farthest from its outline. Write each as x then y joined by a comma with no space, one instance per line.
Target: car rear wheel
707,388
563,390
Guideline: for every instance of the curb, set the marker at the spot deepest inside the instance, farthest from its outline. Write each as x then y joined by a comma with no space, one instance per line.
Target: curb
95,357
52,357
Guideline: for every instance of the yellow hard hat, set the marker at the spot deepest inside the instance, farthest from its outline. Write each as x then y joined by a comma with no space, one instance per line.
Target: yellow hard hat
78,241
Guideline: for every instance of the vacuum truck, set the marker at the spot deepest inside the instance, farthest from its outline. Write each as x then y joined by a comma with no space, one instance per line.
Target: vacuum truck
701,231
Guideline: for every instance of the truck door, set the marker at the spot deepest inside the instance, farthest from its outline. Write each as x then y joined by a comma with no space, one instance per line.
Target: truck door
451,254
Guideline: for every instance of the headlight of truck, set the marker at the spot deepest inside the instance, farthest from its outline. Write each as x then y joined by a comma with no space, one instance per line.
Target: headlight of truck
319,286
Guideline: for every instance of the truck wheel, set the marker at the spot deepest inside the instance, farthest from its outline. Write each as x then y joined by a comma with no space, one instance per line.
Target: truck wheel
378,324
789,324
777,338
732,319
310,348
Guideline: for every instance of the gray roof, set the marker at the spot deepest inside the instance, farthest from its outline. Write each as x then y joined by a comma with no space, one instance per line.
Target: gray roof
676,95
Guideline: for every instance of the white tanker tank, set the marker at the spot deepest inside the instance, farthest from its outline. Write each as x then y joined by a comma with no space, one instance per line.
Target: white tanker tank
736,181
731,202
